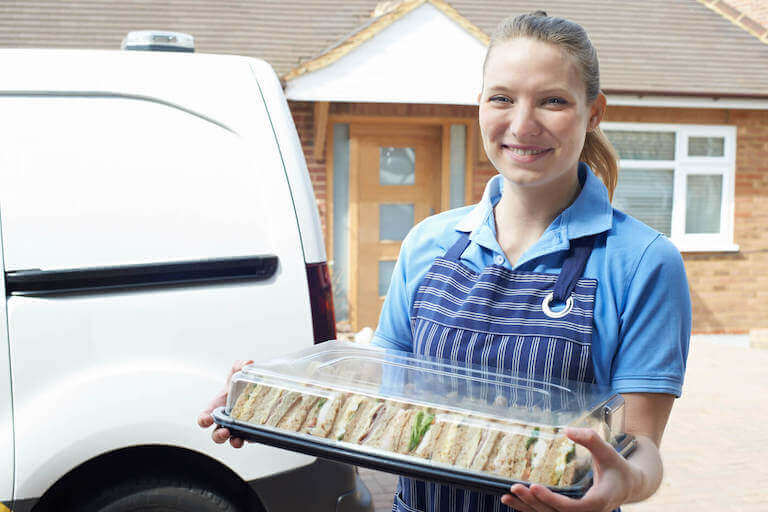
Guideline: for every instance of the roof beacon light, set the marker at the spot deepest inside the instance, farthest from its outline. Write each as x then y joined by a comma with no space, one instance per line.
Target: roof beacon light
157,40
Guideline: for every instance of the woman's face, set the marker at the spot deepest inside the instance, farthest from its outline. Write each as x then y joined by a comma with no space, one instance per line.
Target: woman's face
534,114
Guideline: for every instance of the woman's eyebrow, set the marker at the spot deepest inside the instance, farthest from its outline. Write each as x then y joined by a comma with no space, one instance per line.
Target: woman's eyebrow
549,90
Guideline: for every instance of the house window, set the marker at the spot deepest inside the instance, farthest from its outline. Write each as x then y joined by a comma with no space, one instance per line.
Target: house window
678,179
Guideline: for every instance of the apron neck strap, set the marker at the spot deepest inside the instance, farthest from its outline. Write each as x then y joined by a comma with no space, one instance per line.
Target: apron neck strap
573,267
458,248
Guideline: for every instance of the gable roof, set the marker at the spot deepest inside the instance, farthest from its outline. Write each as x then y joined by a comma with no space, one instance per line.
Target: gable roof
383,16
652,47
420,52
751,15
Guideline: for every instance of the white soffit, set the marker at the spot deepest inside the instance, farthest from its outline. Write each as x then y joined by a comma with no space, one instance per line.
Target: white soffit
424,57
651,100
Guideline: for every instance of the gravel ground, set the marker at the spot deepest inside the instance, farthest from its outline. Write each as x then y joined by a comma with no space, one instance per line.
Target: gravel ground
714,452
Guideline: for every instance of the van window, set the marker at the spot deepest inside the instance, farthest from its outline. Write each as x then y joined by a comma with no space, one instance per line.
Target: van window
102,181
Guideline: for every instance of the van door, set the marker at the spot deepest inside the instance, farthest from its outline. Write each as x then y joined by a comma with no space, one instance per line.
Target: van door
6,405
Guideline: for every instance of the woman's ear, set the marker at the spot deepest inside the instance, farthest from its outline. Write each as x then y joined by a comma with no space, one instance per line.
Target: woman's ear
596,113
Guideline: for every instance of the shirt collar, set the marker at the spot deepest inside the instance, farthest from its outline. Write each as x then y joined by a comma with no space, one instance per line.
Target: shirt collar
589,214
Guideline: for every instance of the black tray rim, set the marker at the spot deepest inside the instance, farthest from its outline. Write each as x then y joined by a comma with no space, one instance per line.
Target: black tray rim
423,471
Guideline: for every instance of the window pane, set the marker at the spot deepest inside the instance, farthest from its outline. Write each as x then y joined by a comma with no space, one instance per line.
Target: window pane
702,204
396,166
706,146
395,220
633,145
646,194
385,276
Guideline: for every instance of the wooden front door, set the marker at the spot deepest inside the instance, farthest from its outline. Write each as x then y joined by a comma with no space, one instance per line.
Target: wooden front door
395,182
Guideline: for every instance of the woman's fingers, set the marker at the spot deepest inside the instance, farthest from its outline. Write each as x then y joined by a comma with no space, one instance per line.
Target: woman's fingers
205,420
602,452
236,442
236,367
524,500
220,435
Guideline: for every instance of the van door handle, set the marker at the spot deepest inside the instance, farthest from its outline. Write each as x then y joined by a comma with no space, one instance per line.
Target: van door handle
39,282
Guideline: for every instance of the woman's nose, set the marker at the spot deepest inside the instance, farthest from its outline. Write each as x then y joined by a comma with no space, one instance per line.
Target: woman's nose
523,122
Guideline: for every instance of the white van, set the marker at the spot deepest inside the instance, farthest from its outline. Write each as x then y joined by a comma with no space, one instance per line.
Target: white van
158,222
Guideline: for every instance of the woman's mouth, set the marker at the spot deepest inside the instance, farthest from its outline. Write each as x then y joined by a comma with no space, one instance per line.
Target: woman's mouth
526,153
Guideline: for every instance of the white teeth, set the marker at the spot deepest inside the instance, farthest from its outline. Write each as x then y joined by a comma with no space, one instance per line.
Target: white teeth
527,151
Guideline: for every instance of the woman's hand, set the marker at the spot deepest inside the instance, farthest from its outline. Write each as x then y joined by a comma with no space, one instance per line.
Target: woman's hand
205,420
614,482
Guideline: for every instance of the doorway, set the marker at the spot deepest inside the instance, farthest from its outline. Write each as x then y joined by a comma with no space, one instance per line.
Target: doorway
395,182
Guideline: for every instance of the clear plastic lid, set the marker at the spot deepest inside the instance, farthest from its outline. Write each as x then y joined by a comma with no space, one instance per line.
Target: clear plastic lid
466,417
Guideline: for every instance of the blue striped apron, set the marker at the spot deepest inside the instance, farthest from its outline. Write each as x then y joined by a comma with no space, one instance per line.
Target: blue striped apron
500,318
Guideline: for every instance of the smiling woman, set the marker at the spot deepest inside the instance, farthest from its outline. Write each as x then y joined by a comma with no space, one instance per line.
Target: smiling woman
543,276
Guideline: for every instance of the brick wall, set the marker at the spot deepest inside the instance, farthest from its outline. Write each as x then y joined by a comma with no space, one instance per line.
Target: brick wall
729,290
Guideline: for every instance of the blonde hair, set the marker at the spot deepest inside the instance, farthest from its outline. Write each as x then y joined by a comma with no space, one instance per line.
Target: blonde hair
598,152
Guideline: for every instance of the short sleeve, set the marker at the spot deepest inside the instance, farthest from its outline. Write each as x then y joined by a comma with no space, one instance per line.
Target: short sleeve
654,324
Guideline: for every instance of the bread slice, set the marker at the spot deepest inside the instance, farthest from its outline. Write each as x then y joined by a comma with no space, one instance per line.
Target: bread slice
426,447
237,409
381,423
327,414
470,446
346,415
388,440
265,406
254,398
361,421
507,449
487,445
286,402
294,419
451,440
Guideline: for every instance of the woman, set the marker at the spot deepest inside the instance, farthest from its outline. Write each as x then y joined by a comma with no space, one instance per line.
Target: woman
582,291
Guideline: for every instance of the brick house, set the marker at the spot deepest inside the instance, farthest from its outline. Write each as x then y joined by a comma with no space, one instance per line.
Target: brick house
384,98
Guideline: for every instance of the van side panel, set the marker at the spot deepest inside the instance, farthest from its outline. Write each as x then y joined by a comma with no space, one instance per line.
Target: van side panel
91,179
7,461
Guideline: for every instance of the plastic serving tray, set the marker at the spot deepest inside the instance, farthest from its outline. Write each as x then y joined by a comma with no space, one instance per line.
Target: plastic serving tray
328,449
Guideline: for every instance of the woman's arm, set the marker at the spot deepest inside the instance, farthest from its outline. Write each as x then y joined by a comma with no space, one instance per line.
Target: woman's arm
646,418
616,480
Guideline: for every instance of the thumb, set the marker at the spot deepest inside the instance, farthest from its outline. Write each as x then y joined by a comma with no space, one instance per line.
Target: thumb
602,453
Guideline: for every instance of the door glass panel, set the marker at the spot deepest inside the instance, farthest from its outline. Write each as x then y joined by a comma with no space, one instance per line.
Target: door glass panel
633,145
395,220
646,194
458,164
706,146
397,166
385,276
703,200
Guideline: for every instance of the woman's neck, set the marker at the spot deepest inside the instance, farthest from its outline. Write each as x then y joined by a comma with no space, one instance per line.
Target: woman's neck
523,213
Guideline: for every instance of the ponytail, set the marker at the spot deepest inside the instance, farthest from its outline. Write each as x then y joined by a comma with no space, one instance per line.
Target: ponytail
599,154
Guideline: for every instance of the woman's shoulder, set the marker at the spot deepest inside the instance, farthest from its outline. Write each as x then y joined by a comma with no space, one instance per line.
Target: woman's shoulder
636,241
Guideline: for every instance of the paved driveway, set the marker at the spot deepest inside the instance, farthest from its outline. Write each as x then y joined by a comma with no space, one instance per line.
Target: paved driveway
715,449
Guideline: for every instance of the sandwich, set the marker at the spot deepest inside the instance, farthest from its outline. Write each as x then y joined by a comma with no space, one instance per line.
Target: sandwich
514,451
294,419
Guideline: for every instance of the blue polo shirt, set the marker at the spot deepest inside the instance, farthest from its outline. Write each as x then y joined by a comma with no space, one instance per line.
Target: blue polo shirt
642,315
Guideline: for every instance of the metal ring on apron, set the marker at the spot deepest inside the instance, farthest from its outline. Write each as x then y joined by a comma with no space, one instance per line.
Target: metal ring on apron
556,314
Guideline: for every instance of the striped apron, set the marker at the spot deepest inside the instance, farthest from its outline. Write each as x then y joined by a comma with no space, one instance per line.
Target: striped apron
500,318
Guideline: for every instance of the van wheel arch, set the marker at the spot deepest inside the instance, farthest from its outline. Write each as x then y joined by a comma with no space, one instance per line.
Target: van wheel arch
116,467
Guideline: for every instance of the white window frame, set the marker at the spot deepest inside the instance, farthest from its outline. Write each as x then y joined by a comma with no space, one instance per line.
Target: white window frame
685,166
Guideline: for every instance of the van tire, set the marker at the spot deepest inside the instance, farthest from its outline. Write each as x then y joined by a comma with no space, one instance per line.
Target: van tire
160,494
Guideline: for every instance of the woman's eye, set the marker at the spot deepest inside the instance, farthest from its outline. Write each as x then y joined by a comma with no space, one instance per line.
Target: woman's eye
500,99
556,101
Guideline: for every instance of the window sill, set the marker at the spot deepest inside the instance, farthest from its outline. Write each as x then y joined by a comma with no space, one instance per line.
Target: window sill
712,247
